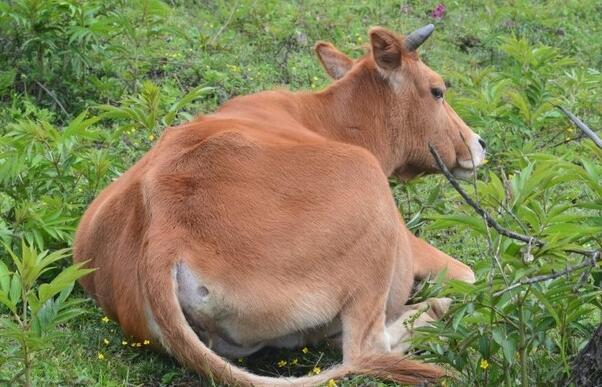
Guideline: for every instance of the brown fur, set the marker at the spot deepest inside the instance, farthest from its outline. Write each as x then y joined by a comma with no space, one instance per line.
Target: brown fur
279,206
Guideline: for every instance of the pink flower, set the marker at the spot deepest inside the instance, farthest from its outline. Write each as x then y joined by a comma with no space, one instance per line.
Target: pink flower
438,12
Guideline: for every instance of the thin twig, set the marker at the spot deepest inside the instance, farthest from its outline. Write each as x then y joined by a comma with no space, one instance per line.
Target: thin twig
223,27
579,137
584,128
51,94
591,262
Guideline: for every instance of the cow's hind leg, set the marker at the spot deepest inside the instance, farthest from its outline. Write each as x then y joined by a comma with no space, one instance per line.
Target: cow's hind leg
363,323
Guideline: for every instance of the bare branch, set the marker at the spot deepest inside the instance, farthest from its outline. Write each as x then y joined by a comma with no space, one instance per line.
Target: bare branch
590,262
54,98
223,27
584,128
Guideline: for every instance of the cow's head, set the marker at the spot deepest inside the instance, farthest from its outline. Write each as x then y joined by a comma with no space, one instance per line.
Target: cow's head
406,102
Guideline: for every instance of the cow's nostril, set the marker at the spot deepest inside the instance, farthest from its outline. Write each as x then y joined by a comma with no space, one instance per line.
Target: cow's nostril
483,145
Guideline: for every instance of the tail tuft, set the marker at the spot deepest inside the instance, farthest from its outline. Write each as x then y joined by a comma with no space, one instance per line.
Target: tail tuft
393,367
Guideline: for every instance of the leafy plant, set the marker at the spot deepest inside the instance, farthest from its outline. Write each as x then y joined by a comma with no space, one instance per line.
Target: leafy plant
36,309
150,110
504,329
47,174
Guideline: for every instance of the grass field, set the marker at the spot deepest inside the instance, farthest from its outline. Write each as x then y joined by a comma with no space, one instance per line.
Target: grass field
128,64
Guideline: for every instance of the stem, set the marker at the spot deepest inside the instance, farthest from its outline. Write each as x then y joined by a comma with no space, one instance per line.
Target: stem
523,347
507,378
563,345
25,327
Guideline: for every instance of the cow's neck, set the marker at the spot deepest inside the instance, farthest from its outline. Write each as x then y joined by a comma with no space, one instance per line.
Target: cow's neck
349,113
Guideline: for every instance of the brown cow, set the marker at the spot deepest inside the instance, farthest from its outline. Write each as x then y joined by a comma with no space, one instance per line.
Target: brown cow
271,222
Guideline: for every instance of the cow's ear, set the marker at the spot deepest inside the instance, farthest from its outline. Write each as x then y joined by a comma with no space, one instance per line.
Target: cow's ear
334,62
386,48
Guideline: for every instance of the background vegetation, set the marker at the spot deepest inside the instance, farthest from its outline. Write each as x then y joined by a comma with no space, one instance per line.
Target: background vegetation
86,87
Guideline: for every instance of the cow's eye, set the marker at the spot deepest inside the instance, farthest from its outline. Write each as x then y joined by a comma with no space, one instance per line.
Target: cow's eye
437,92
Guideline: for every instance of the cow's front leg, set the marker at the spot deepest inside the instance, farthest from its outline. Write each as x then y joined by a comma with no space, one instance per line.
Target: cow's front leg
414,316
430,261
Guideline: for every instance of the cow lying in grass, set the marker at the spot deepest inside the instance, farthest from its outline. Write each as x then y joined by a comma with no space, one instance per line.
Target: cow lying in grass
270,222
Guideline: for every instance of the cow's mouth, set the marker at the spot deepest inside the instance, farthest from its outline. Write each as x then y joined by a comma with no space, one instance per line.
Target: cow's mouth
463,173
466,168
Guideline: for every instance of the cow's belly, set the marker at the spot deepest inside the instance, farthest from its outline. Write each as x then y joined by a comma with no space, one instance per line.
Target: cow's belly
222,344
235,329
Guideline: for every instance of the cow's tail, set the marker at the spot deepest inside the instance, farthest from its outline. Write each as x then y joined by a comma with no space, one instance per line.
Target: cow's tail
180,340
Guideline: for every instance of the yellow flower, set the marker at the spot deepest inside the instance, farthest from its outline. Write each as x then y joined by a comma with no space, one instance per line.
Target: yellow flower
295,361
151,137
138,345
101,356
146,342
281,363
316,370
331,383
124,342
105,341
484,364
305,350
105,319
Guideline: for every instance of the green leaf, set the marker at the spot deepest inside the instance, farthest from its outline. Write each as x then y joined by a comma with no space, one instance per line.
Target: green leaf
433,195
15,289
188,98
79,125
509,349
4,278
458,316
551,310
4,300
448,221
62,281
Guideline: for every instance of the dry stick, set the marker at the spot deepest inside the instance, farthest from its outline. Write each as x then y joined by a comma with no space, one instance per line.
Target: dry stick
584,128
594,255
51,94
591,262
223,27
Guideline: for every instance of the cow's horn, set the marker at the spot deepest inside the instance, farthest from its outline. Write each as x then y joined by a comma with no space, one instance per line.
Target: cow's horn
416,38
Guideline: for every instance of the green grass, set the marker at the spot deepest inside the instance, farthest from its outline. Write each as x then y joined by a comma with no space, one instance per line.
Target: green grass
240,47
